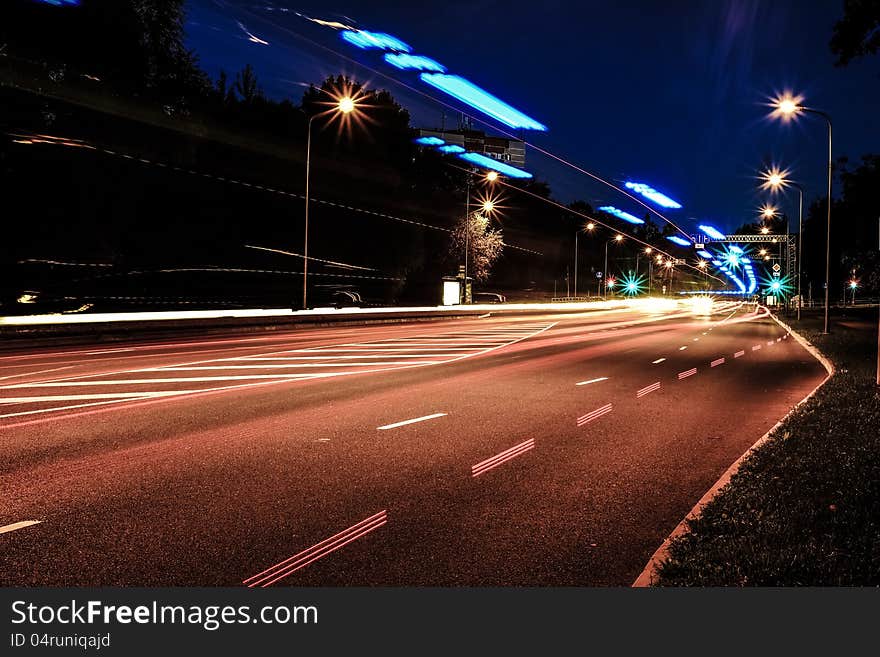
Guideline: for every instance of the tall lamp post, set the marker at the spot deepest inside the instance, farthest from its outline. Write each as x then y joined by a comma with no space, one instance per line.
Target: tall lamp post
787,107
617,238
775,180
589,228
488,206
345,105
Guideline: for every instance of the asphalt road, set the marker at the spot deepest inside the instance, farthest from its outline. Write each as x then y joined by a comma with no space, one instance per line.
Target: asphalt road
555,449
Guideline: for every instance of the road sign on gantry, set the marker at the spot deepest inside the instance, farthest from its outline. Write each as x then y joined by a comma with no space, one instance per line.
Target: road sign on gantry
776,267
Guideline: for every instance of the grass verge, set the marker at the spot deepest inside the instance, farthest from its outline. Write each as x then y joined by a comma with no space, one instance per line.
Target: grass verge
804,508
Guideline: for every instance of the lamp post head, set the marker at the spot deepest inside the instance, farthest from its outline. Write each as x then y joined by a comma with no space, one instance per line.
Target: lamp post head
590,226
618,238
492,176
346,104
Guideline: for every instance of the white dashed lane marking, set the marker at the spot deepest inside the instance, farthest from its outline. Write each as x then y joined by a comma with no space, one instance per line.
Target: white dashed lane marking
413,421
584,383
5,529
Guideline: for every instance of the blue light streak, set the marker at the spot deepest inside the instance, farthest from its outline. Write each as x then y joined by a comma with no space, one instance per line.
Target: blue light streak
407,62
652,194
430,141
480,99
451,148
736,249
704,253
374,40
61,3
620,214
485,162
678,240
711,231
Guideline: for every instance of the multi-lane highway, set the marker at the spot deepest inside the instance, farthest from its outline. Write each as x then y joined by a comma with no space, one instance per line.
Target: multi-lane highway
546,449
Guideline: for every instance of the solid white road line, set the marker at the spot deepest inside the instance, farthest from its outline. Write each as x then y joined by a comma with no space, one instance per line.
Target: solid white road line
659,360
413,421
584,383
18,525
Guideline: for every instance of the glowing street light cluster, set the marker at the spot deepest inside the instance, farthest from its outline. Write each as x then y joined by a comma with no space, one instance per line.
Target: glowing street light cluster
620,214
431,72
652,195
405,61
711,231
476,159
480,99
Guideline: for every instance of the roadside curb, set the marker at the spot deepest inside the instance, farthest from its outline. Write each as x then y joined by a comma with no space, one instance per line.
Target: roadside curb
648,576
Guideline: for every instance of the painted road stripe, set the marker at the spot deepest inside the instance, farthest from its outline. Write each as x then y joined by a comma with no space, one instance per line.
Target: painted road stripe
682,348
696,339
301,560
413,421
291,366
584,383
18,525
648,389
599,412
18,376
770,343
108,351
756,347
717,362
503,457
778,339
687,373
659,360
739,353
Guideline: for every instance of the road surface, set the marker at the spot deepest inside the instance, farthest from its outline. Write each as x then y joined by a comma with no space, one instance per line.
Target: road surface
548,449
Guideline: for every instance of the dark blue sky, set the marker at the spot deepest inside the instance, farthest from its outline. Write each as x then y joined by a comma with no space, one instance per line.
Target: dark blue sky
670,93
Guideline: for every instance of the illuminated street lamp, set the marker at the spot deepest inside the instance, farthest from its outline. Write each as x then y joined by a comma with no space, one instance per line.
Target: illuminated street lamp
787,107
853,285
617,238
344,105
492,176
590,227
775,180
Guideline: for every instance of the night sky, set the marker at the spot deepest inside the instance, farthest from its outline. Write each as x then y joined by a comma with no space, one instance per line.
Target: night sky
670,93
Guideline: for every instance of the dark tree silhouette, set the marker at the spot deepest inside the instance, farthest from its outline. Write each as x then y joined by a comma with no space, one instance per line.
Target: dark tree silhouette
858,33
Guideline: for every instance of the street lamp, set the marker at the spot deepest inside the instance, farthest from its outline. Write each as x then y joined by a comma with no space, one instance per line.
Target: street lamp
669,264
488,206
776,180
617,238
590,227
344,105
787,107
